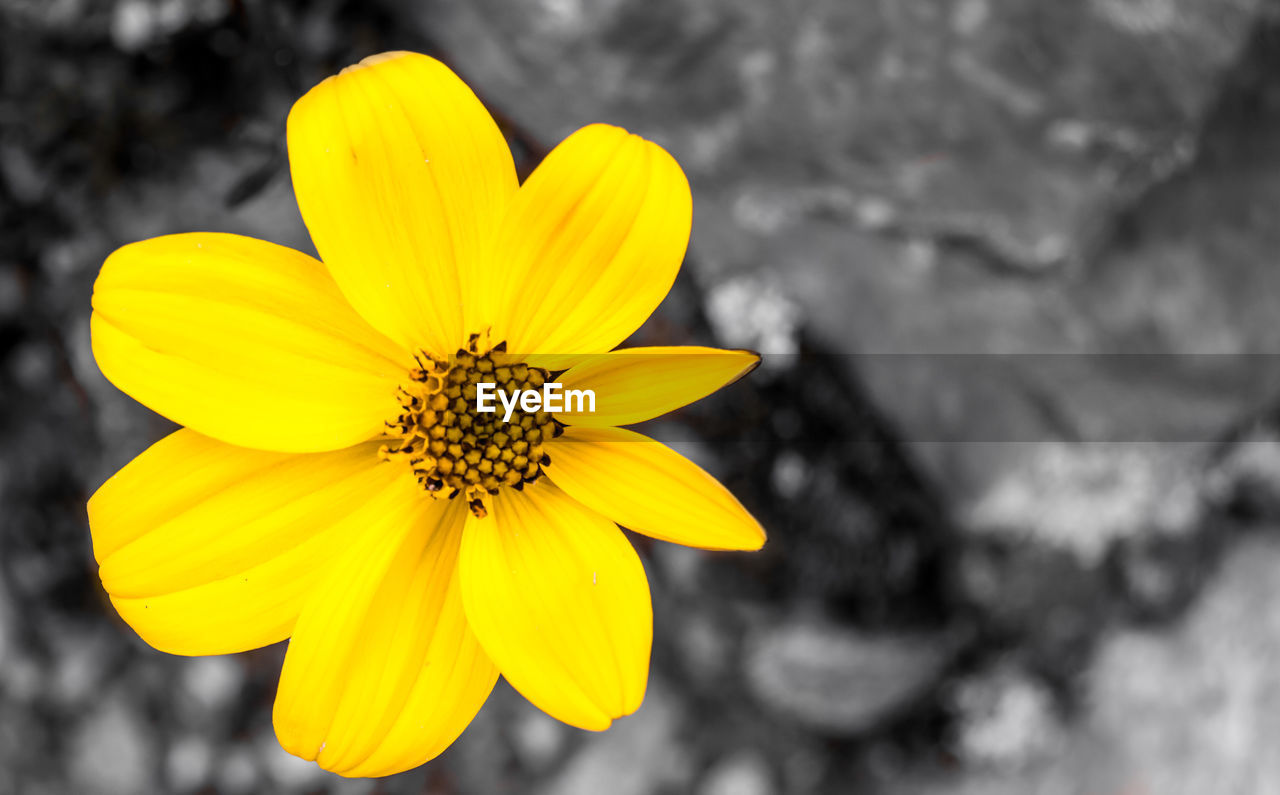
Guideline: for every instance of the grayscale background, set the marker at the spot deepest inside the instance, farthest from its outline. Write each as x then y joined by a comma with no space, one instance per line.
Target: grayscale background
1013,264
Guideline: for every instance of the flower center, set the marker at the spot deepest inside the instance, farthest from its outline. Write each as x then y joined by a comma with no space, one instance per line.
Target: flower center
453,448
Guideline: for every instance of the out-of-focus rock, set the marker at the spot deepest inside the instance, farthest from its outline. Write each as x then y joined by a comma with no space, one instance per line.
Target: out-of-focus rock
112,751
22,679
238,771
743,772
537,739
681,568
21,739
706,640
1247,476
1083,498
136,24
1045,597
1041,94
790,475
625,755
845,551
748,313
188,763
986,200
833,680
1194,711
1158,576
78,671
212,682
1180,712
34,367
1005,719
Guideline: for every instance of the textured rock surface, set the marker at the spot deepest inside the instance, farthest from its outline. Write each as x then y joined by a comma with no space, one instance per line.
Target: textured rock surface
1177,712
1192,711
1006,720
836,682
948,189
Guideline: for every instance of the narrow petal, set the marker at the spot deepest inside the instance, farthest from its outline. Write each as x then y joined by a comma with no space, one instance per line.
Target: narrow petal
402,177
207,548
647,487
245,341
559,600
591,245
383,672
636,384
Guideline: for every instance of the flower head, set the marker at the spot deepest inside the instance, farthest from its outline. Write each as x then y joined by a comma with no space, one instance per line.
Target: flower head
335,482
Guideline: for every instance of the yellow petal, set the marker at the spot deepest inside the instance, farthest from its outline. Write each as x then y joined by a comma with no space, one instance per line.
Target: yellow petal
383,672
649,488
559,600
402,177
637,384
244,341
591,245
207,548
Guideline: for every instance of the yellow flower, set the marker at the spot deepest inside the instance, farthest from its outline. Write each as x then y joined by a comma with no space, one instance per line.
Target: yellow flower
334,484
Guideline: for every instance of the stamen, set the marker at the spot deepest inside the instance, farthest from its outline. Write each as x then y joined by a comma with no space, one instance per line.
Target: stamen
451,448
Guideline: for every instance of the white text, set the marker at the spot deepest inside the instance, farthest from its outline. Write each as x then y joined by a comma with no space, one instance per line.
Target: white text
552,397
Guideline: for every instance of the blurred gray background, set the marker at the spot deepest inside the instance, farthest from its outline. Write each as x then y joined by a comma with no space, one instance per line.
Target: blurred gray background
1014,267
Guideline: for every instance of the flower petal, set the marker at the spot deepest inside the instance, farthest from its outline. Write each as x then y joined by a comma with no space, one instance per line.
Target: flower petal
647,487
382,672
402,177
591,244
245,341
636,384
559,600
207,548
